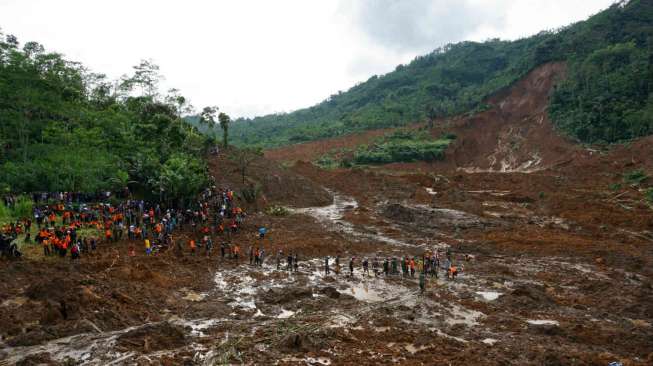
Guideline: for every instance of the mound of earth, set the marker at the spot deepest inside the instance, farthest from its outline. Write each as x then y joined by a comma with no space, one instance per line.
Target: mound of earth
429,217
277,184
282,296
528,296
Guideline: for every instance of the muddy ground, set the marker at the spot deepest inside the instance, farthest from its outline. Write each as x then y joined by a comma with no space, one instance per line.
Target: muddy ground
558,278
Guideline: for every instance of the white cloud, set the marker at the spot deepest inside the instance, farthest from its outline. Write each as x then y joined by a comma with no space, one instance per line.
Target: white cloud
255,57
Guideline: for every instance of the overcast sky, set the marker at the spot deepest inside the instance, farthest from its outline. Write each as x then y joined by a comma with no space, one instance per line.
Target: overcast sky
253,57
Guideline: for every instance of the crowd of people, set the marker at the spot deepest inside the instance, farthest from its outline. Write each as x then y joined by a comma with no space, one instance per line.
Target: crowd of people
73,226
60,231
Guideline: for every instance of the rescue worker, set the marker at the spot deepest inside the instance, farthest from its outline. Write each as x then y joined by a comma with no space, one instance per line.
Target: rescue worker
351,267
192,245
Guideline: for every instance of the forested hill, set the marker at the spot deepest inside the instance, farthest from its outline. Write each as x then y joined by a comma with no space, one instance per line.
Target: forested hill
63,128
606,97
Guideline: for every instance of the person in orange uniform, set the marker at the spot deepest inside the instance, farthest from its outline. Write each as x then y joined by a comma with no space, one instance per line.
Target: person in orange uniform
192,246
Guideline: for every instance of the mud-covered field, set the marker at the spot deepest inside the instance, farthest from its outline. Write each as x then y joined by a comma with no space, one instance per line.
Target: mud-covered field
547,283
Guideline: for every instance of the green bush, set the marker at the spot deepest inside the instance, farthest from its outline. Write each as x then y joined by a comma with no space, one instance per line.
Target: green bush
649,195
402,146
615,186
635,177
5,213
23,207
326,162
275,210
250,194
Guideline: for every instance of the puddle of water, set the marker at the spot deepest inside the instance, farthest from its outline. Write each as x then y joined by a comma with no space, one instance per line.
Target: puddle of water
332,217
489,341
332,213
309,360
285,314
243,303
543,322
197,325
412,349
489,295
431,191
363,292
339,321
90,348
220,281
460,315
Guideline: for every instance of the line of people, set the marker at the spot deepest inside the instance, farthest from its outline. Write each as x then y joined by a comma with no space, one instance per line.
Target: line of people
429,264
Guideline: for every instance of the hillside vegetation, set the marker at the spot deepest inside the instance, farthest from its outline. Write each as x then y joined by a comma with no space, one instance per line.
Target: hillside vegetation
607,97
63,128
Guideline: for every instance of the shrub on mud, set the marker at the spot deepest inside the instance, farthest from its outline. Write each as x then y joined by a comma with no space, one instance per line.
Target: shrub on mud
635,177
327,162
251,193
275,210
403,146
649,195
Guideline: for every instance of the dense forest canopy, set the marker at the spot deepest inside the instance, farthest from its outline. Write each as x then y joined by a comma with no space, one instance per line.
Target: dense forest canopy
607,97
63,128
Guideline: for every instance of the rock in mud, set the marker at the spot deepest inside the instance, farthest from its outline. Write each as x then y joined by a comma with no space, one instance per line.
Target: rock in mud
544,329
153,337
285,295
330,292
298,342
529,296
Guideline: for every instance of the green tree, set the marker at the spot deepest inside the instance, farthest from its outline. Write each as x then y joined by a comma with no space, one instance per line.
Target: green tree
182,178
224,124
146,76
208,115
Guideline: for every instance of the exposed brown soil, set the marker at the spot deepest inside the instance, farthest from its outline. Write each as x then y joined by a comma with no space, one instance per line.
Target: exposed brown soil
278,184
